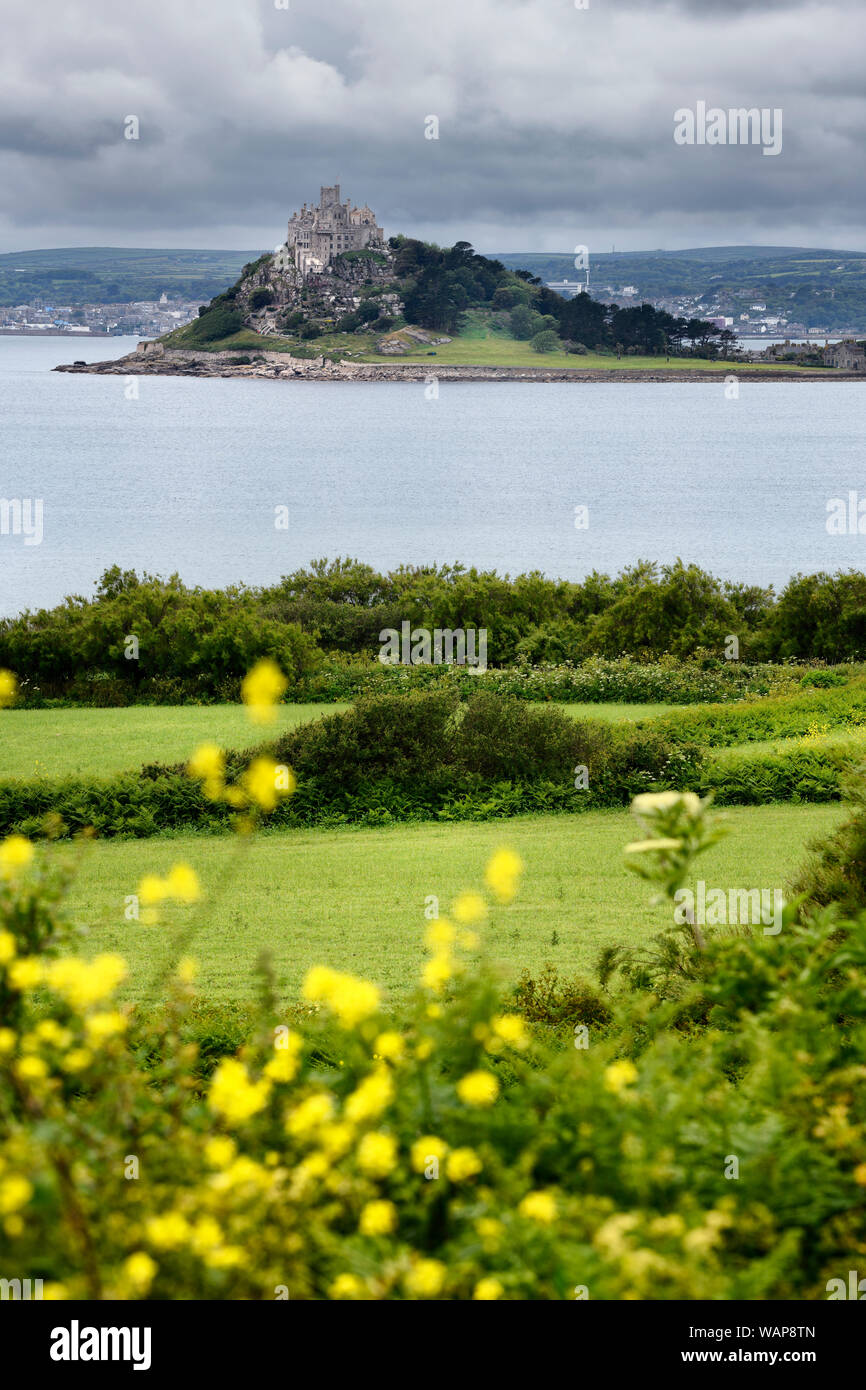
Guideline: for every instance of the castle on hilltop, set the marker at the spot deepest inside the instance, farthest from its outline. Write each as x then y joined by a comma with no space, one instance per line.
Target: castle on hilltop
317,235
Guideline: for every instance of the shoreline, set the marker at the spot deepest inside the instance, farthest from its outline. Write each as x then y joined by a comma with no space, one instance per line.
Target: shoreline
152,359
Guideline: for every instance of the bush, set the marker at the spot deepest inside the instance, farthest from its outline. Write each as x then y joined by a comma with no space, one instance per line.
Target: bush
214,325
260,298
546,341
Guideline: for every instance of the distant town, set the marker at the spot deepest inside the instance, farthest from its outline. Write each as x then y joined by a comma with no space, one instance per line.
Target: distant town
140,318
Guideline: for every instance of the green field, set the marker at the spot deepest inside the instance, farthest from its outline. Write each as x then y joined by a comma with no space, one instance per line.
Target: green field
354,899
99,742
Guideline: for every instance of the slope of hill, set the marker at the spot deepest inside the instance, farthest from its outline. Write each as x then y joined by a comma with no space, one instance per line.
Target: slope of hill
112,274
819,288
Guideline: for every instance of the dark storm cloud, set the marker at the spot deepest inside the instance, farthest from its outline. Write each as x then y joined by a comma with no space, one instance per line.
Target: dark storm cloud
556,124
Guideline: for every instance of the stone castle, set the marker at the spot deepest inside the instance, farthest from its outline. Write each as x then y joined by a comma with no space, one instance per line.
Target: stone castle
317,235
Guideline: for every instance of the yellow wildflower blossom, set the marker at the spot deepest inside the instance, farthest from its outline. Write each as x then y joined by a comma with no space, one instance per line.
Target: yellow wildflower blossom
15,1192
261,688
539,1206
219,1151
378,1219
436,973
139,1270
463,1164
105,1025
511,1028
311,1114
619,1075
371,1097
25,973
208,765
233,1095
8,688
377,1154
488,1290
347,1286
478,1088
426,1278
7,947
167,1232
15,854
391,1046
469,908
502,874
182,884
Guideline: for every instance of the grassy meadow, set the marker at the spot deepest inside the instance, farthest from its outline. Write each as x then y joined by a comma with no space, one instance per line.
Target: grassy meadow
355,899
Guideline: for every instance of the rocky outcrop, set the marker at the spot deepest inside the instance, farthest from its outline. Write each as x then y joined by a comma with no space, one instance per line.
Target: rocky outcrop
154,359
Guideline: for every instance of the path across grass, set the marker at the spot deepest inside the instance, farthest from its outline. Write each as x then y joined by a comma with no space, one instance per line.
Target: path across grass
355,899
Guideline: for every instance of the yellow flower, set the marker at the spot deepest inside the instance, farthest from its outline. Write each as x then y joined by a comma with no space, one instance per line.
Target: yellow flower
619,1075
440,934
377,1154
424,1049
347,1286
351,999
206,1235
139,1270
502,875
50,1031
208,765
318,983
261,688
233,1095
77,1060
511,1029
15,853
860,1174
152,889
261,781
470,907
220,1151
31,1069
7,1040
182,884
8,688
106,1025
389,1045
83,983
7,947
478,1088
54,1292
311,1114
187,970
286,1063
539,1206
436,973
488,1290
336,1139
371,1097
489,1230
15,1192
425,1148
25,973
426,1278
463,1164
378,1219
167,1232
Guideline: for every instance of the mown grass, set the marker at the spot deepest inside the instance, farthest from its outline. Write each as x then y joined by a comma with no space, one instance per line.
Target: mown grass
99,742
355,899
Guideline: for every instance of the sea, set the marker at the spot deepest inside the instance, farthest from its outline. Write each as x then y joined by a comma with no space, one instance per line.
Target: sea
234,481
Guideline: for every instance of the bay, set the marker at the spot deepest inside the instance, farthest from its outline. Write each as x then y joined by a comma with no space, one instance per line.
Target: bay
191,475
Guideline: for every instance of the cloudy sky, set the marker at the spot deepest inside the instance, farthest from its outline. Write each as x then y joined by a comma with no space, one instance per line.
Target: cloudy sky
555,122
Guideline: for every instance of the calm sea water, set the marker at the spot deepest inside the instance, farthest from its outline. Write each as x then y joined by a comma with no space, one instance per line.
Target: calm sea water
189,476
